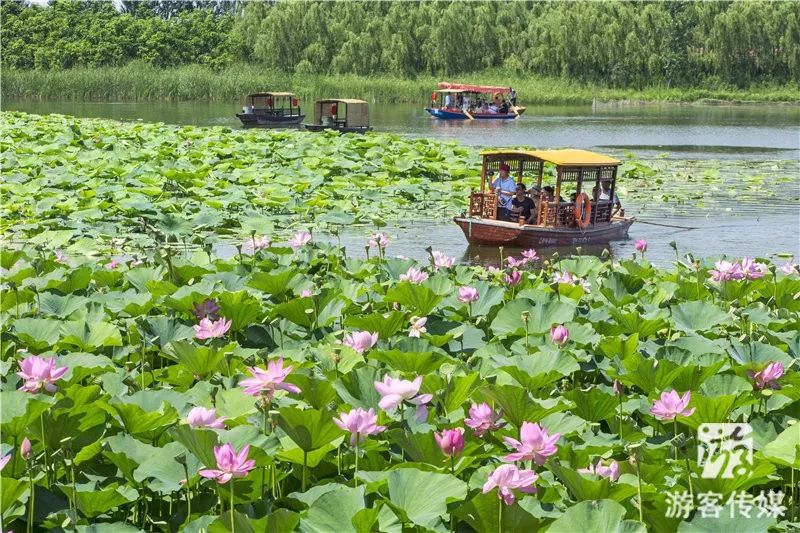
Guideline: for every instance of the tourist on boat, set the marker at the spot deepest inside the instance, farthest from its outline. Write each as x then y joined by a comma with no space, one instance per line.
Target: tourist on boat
504,107
521,205
505,188
448,101
512,95
605,194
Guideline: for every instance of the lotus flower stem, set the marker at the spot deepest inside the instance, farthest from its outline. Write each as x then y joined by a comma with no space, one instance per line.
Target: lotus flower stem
675,435
188,493
355,474
619,427
44,446
305,468
141,365
689,476
74,517
232,526
499,515
453,464
639,486
29,525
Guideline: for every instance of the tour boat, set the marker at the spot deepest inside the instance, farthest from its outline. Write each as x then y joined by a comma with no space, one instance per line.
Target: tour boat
589,219
271,110
464,99
341,114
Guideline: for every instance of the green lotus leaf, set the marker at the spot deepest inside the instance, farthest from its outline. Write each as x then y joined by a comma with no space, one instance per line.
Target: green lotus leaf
698,316
164,330
273,283
540,317
724,522
198,360
784,449
482,513
21,409
308,428
90,336
422,497
596,515
418,299
419,363
334,510
384,324
37,333
96,502
538,370
241,308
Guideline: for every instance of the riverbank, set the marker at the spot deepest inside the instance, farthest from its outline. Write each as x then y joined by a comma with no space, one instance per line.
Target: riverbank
138,82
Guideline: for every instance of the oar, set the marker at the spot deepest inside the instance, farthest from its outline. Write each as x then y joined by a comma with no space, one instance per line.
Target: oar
514,109
468,115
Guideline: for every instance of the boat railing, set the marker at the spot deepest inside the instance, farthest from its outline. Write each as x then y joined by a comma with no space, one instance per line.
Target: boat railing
483,204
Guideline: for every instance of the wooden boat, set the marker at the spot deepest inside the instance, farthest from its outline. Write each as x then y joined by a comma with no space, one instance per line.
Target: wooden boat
469,96
591,218
346,115
271,110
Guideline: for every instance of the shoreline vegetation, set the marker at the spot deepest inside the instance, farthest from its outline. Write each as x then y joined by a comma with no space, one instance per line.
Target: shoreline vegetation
138,81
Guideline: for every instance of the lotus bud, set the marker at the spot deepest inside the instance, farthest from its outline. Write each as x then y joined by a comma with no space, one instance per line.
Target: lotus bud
618,387
25,449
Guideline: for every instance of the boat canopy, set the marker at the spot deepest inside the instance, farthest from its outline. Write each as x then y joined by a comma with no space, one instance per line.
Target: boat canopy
256,95
463,87
566,157
354,114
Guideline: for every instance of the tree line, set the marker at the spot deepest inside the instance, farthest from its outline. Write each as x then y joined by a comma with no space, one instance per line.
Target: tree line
621,44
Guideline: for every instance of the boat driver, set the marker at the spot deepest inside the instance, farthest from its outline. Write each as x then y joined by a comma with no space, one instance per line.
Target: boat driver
504,186
605,194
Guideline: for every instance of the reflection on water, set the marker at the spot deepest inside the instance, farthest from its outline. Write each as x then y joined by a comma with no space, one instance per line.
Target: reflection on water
677,129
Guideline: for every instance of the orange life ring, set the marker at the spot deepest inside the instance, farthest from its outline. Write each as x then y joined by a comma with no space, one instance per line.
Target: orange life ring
583,210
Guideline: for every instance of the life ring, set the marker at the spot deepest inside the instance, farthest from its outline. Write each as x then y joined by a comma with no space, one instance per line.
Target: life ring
583,211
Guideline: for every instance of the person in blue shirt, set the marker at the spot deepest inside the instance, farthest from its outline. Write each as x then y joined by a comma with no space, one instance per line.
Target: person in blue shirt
505,188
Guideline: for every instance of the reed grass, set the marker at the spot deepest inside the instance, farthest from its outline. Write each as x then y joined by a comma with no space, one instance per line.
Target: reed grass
138,81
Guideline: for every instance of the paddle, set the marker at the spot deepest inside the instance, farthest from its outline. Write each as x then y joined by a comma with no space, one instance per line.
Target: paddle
468,115
514,109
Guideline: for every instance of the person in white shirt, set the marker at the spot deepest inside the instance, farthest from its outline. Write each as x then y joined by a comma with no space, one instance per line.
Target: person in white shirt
448,101
505,188
605,194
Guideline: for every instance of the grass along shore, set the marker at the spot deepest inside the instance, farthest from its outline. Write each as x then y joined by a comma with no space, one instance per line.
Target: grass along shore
138,81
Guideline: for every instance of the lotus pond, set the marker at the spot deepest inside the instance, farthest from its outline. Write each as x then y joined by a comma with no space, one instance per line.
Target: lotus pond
295,387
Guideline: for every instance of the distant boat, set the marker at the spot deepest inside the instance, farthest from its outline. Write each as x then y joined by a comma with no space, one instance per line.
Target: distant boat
345,115
472,93
271,110
588,219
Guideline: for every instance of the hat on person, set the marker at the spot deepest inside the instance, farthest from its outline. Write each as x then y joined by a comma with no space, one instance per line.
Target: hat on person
536,188
505,167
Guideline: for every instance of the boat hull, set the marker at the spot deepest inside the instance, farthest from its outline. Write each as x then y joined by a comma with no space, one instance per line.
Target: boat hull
341,129
269,121
497,233
458,115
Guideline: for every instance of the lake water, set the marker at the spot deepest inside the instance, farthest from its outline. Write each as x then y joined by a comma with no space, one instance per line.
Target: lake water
738,141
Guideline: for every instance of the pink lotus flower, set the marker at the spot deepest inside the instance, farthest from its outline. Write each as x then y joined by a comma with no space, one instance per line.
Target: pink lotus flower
229,464
381,240
559,334
113,264
265,383
640,245
671,405
508,478
25,449
360,341
254,244
563,277
306,293
4,461
534,444
136,262
394,391
414,275
482,419
360,423
39,373
513,279
299,240
752,270
516,263
611,471
417,326
468,294
60,257
208,309
450,441
790,269
725,271
441,260
530,254
207,329
200,417
768,377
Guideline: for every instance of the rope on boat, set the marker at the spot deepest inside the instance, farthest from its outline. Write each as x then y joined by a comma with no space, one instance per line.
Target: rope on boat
640,221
